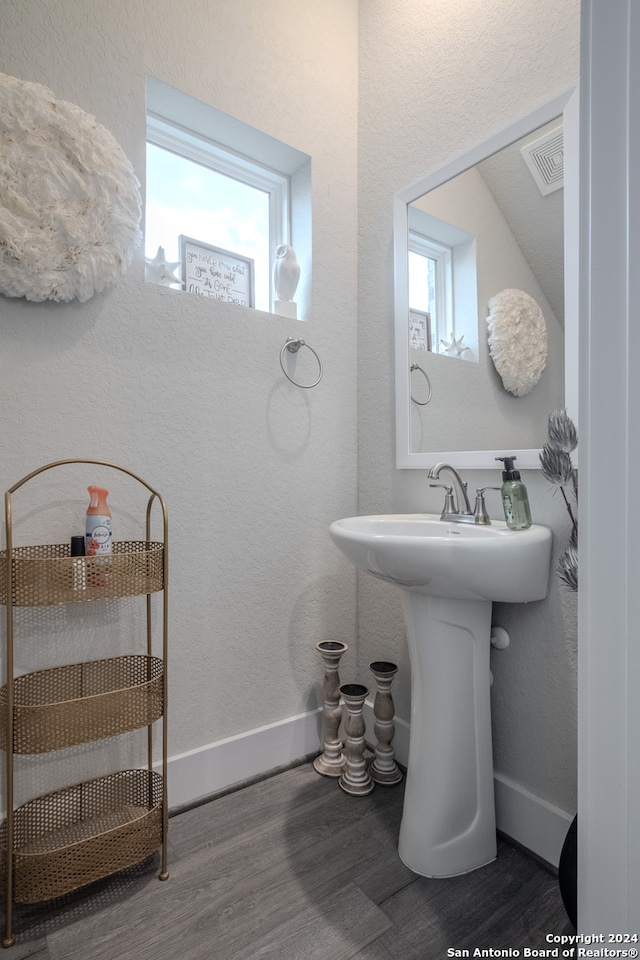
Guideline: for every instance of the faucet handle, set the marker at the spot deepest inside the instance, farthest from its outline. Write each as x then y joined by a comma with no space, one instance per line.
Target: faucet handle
480,514
449,504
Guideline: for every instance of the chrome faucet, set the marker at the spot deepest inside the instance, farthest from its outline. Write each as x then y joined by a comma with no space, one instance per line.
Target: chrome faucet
451,510
480,514
434,474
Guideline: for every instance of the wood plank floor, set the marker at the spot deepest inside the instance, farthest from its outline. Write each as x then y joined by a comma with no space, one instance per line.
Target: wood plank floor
291,868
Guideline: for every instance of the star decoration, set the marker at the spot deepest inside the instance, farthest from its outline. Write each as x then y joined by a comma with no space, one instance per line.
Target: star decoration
454,346
159,270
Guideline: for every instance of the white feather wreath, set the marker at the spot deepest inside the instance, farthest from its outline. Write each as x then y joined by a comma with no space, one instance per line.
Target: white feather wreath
517,340
69,198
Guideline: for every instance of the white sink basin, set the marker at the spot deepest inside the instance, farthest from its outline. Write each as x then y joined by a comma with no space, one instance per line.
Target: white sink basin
449,574
458,560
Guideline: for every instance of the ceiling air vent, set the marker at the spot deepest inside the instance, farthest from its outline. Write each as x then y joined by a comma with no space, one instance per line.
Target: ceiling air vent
545,159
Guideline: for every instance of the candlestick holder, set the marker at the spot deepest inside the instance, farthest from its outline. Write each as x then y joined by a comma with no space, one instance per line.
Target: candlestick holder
331,761
355,778
384,769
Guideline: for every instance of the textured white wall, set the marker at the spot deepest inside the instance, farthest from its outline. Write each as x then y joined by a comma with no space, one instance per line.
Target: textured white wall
187,392
436,78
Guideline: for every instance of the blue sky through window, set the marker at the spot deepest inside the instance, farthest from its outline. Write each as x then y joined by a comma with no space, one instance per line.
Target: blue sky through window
186,197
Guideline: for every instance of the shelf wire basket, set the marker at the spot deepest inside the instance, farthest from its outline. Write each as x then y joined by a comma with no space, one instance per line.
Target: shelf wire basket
60,841
71,837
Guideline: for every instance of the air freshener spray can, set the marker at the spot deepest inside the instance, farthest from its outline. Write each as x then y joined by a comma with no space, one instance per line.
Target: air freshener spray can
97,538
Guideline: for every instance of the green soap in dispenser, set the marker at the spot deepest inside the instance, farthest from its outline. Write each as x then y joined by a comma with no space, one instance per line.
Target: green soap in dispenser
515,498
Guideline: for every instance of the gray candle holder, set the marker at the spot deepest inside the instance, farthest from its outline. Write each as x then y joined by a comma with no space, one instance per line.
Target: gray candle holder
384,769
331,761
355,778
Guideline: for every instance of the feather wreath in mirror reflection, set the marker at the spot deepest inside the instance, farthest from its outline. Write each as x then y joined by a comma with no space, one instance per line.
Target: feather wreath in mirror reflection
517,340
69,198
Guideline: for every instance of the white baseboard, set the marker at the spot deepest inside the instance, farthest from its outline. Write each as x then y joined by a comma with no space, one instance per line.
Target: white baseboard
532,822
217,766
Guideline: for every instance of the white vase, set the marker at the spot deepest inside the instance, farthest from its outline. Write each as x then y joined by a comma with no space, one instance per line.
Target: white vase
286,272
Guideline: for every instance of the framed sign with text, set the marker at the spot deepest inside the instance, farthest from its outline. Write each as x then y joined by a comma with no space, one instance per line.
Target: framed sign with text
212,272
419,330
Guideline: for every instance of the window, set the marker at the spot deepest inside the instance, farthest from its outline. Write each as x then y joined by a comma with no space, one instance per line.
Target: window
204,184
430,286
197,189
442,287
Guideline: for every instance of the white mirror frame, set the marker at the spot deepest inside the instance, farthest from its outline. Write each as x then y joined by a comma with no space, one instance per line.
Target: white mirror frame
566,105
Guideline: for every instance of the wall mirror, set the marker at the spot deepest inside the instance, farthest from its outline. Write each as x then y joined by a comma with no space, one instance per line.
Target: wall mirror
487,221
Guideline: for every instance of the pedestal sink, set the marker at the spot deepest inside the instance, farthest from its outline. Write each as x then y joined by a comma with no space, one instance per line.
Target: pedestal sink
449,574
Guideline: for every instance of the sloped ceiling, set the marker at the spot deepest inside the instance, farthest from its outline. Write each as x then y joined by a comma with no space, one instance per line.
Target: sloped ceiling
537,222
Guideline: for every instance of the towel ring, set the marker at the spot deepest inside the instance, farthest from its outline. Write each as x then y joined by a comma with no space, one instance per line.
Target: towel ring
416,366
293,344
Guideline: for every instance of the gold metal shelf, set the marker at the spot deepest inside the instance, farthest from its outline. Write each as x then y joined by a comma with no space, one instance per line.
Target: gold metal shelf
71,837
80,702
64,840
46,574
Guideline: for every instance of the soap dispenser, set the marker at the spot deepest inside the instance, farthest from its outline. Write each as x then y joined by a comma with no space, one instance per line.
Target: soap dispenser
515,499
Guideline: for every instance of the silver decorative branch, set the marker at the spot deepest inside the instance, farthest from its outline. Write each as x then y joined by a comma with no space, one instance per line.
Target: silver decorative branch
557,466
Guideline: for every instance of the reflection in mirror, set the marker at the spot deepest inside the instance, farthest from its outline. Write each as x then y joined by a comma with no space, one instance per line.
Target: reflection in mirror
502,234
484,225
442,284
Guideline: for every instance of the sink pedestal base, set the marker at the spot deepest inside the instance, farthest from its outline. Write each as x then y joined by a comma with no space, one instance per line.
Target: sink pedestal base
448,821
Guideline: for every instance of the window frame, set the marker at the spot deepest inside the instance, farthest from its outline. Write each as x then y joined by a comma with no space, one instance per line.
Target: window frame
442,254
199,149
